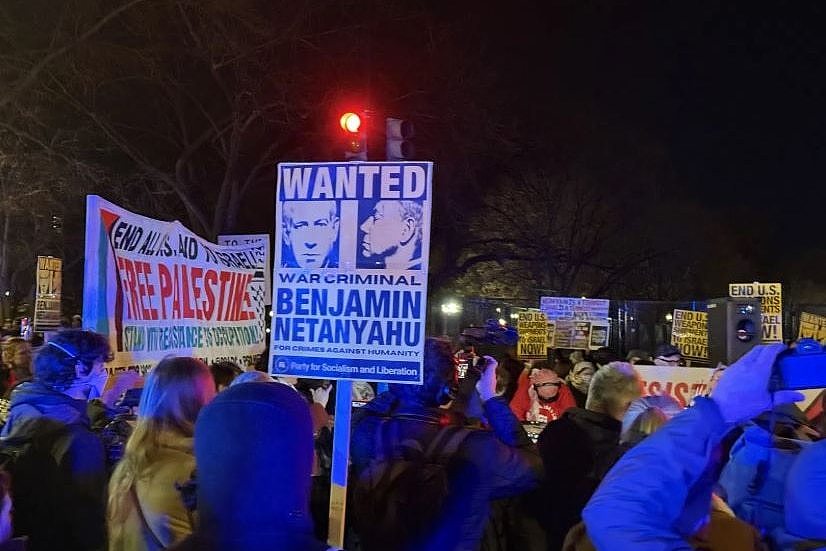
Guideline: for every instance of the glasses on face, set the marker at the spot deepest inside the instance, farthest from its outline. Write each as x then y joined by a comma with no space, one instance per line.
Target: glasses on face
540,385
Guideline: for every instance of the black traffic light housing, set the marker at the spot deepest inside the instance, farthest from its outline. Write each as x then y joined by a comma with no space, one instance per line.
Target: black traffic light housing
399,134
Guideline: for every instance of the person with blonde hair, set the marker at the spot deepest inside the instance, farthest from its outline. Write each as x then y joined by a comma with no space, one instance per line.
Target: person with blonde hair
146,510
17,358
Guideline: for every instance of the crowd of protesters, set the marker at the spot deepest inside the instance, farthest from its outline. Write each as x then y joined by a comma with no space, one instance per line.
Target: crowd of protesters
490,454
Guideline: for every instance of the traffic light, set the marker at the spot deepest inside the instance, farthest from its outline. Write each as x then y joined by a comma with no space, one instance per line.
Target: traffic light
734,328
355,136
399,134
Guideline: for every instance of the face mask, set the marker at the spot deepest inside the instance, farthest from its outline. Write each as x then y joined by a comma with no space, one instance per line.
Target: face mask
97,383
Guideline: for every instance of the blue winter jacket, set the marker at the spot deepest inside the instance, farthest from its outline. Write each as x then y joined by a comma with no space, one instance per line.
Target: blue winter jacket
488,465
659,493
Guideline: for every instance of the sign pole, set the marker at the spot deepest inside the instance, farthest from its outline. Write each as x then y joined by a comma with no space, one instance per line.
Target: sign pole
341,460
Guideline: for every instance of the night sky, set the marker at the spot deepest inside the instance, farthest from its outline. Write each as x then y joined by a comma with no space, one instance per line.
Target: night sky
698,112
733,90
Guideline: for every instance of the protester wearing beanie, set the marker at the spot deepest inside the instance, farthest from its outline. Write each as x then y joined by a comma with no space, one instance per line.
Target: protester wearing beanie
254,452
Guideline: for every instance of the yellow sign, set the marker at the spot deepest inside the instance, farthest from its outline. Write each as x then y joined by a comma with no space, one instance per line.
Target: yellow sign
812,326
689,333
47,293
533,335
771,306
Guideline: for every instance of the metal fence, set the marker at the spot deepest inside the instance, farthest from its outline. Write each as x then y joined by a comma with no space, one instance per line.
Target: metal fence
634,324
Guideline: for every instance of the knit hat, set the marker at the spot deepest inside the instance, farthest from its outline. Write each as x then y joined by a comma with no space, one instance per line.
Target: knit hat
254,451
665,350
580,376
805,488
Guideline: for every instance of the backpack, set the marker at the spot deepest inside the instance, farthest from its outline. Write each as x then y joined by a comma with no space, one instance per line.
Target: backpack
37,483
398,497
754,479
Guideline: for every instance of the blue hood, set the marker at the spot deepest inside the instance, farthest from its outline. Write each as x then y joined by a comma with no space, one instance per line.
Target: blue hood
254,451
805,488
32,400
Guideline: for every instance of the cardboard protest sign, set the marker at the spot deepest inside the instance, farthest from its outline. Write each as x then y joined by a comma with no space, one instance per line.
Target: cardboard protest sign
564,334
155,288
550,340
573,334
47,293
599,336
771,306
689,333
581,323
533,335
350,279
582,335
264,277
812,326
681,383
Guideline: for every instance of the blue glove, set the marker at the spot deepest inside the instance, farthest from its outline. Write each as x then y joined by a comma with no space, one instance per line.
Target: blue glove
742,392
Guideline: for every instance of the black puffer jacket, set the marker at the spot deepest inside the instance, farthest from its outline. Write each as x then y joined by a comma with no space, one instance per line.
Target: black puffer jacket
577,450
489,465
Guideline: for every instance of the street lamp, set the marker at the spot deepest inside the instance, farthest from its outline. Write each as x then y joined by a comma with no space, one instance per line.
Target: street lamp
449,308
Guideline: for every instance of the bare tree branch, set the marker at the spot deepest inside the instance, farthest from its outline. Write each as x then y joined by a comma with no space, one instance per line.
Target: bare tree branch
25,82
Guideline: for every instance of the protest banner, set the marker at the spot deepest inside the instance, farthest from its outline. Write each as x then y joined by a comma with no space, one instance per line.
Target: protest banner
812,326
155,288
771,306
350,283
689,333
263,278
570,308
681,383
47,293
533,336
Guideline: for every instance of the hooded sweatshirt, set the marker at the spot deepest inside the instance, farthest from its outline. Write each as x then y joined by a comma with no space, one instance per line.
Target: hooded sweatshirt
254,451
551,411
69,512
805,526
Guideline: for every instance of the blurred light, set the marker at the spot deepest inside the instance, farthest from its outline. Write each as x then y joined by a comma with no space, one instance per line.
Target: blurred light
267,329
584,297
498,310
450,308
669,317
514,316
350,122
7,293
272,313
502,321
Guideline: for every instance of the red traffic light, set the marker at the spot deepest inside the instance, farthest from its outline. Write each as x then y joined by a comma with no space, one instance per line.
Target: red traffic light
350,122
